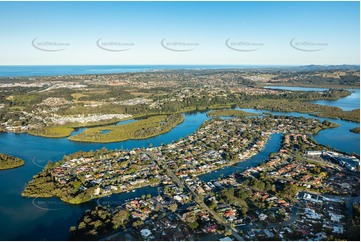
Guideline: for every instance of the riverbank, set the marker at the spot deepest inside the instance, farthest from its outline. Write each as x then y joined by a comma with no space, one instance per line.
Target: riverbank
304,85
228,113
304,107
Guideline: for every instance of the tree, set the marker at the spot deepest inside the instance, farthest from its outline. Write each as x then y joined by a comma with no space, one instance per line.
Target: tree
173,207
82,225
194,225
137,223
97,224
119,218
273,154
76,185
213,205
244,211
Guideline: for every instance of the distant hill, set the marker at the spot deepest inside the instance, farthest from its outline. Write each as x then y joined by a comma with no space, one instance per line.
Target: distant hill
272,69
328,67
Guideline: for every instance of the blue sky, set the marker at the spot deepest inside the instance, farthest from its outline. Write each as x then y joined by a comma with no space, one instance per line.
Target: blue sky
258,33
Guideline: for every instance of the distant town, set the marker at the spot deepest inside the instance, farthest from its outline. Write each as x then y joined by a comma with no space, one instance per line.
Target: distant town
54,106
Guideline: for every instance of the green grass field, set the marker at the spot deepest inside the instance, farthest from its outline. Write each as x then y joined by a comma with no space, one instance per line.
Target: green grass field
144,128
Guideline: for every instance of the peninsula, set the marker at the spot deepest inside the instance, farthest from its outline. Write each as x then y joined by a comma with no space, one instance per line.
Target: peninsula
9,162
84,176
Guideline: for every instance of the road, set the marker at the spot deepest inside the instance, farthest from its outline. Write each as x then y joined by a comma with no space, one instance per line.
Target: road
164,167
200,202
118,234
221,221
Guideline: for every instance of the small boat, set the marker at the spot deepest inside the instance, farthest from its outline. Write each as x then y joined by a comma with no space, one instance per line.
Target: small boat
133,190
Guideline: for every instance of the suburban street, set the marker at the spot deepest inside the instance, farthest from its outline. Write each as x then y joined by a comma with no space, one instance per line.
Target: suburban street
182,185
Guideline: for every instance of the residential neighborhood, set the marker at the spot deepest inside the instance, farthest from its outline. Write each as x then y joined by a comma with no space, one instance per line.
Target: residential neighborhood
268,201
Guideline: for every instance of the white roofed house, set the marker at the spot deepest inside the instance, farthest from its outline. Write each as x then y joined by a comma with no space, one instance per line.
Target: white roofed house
97,191
338,229
145,233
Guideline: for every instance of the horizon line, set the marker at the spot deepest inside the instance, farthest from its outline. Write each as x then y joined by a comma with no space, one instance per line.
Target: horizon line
182,65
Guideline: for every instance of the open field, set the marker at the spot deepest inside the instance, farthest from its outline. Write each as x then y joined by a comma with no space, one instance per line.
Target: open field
141,129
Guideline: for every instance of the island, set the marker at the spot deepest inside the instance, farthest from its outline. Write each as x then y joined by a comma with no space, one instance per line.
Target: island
9,162
140,129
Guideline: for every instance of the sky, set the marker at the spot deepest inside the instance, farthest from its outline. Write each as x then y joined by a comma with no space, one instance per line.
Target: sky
179,33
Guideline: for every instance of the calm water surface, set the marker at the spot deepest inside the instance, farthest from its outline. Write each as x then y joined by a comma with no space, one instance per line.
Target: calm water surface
273,145
347,103
53,70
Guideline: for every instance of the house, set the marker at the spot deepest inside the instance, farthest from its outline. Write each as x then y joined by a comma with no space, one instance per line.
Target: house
225,239
229,213
338,229
177,198
314,153
335,217
210,228
251,233
320,236
310,213
264,197
145,233
312,197
97,191
262,216
200,190
268,233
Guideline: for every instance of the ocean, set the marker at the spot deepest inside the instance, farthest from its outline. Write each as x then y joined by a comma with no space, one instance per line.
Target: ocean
60,70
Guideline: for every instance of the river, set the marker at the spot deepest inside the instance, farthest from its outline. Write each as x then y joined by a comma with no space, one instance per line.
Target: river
347,103
50,219
273,145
